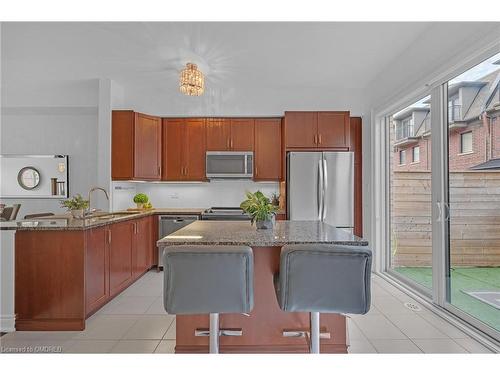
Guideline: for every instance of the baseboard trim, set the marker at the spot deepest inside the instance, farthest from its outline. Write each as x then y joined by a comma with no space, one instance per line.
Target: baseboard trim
7,323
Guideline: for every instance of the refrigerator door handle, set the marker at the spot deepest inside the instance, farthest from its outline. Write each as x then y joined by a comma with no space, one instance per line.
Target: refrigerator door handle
325,186
320,190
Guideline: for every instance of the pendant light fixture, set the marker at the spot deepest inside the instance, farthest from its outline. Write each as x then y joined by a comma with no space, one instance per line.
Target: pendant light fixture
192,81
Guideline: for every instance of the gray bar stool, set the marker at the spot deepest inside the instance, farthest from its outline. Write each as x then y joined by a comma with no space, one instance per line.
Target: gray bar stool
208,280
323,279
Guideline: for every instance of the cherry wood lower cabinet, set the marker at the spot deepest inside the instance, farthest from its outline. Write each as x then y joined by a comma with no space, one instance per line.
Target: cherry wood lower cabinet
120,255
64,276
263,329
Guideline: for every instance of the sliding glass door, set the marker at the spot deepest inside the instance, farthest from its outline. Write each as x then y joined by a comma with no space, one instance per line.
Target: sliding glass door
473,258
409,155
442,186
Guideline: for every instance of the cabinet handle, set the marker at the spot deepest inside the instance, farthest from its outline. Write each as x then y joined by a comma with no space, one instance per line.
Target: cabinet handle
319,139
231,143
109,235
256,171
228,142
185,171
314,139
159,171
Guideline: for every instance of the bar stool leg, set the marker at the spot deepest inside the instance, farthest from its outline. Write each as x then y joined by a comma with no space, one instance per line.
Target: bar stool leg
315,335
214,333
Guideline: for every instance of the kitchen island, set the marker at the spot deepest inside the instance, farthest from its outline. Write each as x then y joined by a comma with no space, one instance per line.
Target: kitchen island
263,328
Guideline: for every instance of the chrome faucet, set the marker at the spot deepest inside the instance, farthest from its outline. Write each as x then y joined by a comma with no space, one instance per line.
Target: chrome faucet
90,210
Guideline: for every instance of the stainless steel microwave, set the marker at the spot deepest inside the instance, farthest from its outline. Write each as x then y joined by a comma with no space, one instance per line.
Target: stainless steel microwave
229,164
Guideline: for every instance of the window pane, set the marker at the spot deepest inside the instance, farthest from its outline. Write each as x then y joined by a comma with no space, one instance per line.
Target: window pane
466,142
474,192
416,154
410,194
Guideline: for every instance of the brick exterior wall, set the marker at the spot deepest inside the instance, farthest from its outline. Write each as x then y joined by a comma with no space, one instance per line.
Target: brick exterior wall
457,161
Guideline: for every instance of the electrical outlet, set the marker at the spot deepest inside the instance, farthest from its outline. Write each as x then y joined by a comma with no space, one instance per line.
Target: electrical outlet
174,196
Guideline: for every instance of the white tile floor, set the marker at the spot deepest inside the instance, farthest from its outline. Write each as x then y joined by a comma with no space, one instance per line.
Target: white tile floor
135,322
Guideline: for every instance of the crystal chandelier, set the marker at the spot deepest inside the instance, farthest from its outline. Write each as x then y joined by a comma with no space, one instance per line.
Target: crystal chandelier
192,81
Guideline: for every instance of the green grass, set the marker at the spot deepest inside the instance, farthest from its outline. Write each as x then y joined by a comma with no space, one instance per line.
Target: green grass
464,279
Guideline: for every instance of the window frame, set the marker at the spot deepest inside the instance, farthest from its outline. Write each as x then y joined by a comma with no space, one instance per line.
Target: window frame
413,154
402,153
461,135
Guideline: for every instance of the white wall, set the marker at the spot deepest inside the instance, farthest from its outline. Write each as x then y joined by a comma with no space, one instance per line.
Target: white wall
52,118
189,195
248,102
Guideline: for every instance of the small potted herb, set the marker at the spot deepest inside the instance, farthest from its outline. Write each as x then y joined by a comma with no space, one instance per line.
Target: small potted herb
76,205
260,209
141,199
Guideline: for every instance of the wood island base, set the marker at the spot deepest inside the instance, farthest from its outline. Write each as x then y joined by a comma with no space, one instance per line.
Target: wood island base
263,329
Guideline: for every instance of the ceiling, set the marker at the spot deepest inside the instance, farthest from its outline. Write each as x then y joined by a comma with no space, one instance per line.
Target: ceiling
232,55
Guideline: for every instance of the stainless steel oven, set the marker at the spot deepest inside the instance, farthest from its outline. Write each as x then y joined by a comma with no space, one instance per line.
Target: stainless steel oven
229,164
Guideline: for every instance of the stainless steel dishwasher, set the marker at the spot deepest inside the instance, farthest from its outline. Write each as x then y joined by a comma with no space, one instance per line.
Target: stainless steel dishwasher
168,225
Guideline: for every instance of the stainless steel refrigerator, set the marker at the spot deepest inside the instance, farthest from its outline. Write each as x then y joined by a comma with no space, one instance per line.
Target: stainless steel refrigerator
320,186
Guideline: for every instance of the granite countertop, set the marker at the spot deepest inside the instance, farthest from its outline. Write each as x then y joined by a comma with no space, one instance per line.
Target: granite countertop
243,233
66,222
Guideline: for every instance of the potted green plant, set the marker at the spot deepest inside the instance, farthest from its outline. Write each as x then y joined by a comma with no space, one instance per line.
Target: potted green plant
141,199
260,209
76,205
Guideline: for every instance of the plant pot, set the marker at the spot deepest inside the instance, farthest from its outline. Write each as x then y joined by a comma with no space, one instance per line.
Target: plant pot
264,224
77,214
140,206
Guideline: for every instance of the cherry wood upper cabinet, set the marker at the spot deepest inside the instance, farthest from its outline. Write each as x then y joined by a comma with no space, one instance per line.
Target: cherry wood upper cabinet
194,150
184,143
218,134
173,133
122,145
147,147
242,135
120,237
268,163
135,146
325,130
96,268
333,129
230,134
300,129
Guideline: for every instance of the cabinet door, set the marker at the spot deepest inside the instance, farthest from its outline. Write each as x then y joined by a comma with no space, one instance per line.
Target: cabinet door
194,150
147,149
267,149
142,246
242,134
122,145
173,130
333,129
120,256
356,147
301,129
218,134
96,268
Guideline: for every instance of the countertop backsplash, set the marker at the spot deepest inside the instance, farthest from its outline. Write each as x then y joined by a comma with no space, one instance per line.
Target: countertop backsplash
222,193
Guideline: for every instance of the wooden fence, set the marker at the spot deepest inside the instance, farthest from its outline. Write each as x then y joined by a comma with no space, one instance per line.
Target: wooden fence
474,219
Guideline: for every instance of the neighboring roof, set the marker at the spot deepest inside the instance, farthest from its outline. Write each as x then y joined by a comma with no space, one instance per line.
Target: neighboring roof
490,164
453,88
408,111
482,96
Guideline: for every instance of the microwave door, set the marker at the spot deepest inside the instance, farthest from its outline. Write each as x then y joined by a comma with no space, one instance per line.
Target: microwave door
229,165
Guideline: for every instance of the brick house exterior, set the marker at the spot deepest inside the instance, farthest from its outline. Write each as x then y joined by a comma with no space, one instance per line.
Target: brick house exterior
474,112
